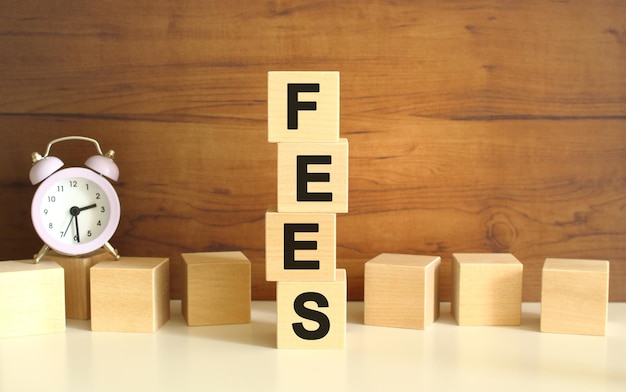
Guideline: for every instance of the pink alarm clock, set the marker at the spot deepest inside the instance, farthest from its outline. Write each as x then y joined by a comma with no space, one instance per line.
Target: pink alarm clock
75,210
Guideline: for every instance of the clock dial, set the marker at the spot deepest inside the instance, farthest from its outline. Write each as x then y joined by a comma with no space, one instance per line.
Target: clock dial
75,210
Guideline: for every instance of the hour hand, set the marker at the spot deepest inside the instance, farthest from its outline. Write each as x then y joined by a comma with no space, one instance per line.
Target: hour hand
87,207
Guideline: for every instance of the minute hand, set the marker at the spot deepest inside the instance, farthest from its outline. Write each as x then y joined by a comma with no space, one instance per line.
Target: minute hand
76,225
78,211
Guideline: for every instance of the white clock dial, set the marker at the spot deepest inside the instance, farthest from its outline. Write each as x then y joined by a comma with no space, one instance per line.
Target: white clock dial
75,211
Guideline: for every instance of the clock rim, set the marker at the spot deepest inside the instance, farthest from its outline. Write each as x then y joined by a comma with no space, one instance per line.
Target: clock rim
105,235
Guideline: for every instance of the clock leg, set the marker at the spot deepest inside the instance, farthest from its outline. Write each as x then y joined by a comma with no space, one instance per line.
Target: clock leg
44,249
111,250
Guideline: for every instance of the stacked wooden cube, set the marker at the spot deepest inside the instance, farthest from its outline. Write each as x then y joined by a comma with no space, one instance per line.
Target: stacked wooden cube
303,119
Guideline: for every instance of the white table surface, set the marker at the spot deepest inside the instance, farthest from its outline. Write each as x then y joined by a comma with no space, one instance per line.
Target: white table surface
444,357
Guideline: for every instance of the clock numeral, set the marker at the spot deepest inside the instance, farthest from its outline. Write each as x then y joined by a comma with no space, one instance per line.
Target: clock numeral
50,225
87,186
45,211
97,196
75,238
73,183
99,223
88,233
59,188
102,209
52,199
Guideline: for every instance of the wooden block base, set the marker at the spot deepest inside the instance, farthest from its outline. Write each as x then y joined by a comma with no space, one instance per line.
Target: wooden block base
401,291
216,288
32,298
77,293
130,295
311,314
574,296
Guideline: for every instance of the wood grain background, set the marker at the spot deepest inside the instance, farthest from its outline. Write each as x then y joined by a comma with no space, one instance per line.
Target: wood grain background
474,126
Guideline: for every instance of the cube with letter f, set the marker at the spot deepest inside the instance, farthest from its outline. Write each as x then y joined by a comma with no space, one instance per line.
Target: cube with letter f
303,107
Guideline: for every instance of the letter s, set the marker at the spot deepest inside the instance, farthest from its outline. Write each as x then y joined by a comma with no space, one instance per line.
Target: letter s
310,314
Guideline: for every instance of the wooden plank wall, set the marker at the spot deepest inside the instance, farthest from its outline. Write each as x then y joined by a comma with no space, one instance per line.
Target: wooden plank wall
474,126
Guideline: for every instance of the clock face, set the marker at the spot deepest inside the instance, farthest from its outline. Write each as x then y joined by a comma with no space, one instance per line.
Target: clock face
75,211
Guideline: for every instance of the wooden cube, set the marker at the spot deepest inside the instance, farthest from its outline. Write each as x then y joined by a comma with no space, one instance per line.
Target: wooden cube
303,106
313,177
311,314
401,290
574,296
300,246
32,298
486,289
130,295
216,288
77,292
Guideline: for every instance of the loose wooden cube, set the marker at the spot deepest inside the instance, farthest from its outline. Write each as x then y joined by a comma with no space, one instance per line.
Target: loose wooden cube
401,290
130,295
32,298
300,246
77,292
574,296
487,289
313,177
311,314
303,106
216,288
